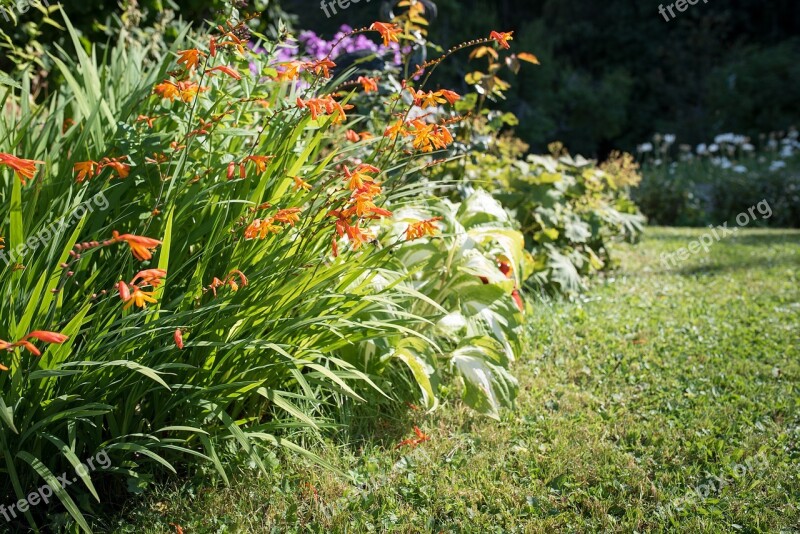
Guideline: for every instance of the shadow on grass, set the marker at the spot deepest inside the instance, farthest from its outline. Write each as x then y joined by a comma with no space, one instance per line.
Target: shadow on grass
748,236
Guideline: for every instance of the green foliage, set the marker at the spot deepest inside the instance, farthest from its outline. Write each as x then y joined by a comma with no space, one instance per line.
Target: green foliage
716,182
218,262
568,209
264,287
605,437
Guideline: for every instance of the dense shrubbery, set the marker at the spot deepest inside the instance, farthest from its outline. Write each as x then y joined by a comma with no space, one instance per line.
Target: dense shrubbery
714,182
212,252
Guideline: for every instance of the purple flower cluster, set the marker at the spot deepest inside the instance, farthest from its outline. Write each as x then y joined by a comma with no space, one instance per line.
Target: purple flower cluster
319,48
312,46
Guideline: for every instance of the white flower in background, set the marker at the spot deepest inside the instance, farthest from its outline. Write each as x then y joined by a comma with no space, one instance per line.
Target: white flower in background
657,163
722,163
645,147
747,147
669,138
702,149
772,143
724,138
786,152
713,148
793,134
740,139
740,169
777,165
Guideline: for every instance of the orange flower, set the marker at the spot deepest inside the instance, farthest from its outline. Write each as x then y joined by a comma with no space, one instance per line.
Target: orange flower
232,170
233,41
359,236
47,336
370,189
352,136
140,298
191,58
186,91
122,169
24,168
299,184
124,291
41,335
288,216
413,442
261,228
430,99
178,336
396,129
146,119
451,96
150,277
502,38
341,224
232,279
421,229
233,73
167,90
260,162
428,137
389,32
369,84
140,246
356,179
291,71
85,169
321,66
324,105
363,206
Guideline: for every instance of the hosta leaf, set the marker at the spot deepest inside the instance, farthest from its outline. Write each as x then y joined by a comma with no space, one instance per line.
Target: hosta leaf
480,208
416,354
480,266
563,272
488,385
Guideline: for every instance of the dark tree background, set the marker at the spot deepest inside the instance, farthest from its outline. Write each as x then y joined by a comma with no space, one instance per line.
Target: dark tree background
615,72
612,74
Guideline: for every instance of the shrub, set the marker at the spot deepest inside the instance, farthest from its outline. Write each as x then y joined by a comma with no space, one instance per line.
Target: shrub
714,182
199,260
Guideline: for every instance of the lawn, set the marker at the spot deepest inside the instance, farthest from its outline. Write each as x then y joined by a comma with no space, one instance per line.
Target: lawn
668,398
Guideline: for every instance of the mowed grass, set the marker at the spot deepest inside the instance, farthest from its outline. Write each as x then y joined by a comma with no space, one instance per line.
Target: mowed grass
668,399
